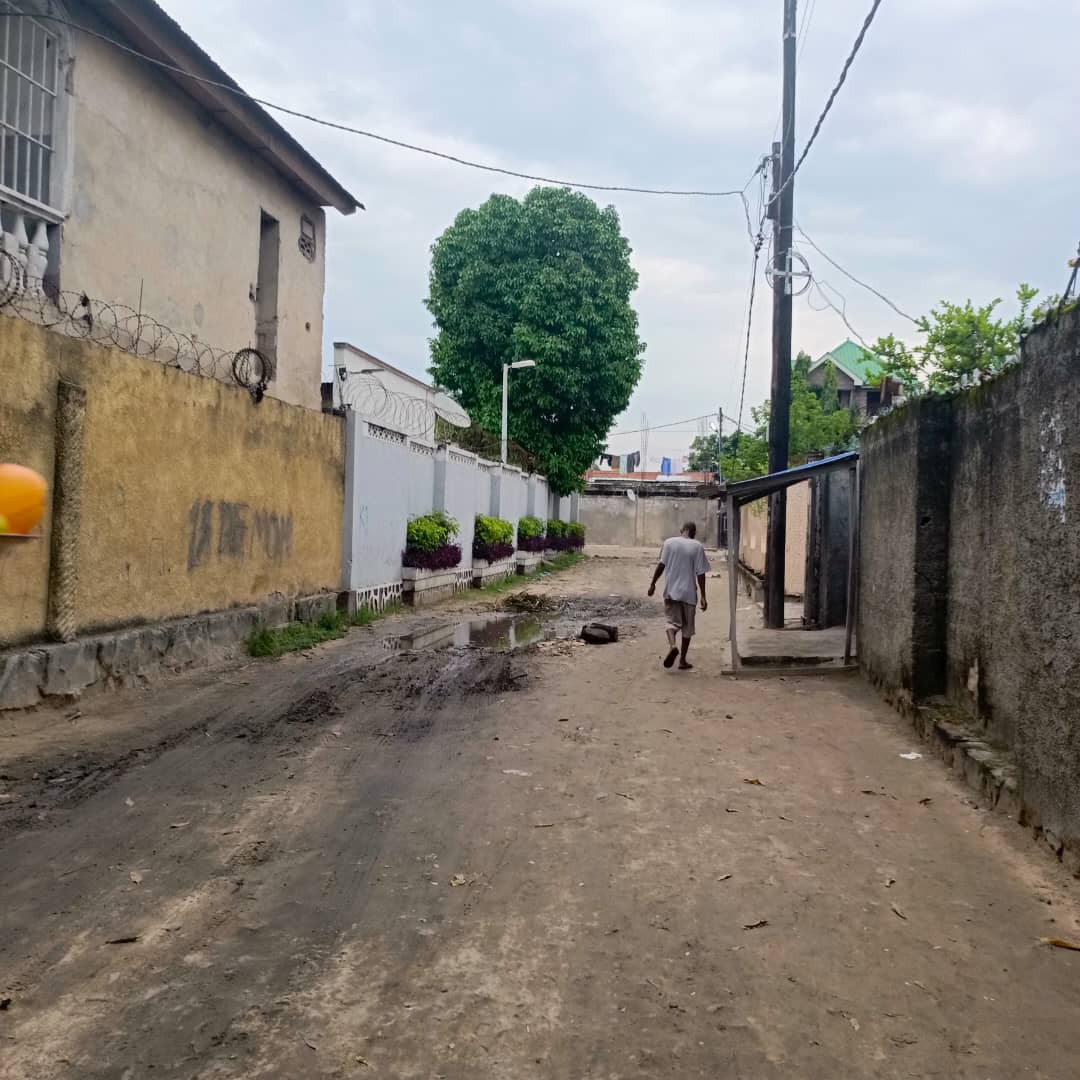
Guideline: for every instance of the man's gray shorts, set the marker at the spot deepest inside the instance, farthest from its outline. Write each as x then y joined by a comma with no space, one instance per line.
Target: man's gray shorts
680,617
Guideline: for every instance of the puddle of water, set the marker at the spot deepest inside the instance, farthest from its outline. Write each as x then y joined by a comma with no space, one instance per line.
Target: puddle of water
497,632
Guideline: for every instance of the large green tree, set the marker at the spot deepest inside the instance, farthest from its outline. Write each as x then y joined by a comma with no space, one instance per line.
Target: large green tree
545,278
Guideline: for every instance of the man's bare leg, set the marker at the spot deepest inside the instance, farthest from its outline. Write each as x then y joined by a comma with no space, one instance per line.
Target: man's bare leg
683,665
673,650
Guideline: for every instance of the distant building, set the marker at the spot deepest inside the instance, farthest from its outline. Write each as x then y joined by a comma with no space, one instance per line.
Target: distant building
140,174
382,394
858,378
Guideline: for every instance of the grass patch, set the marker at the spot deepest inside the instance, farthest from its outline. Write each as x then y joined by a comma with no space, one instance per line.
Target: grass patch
552,566
276,641
365,616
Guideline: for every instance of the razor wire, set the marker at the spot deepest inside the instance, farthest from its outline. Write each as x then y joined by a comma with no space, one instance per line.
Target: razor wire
404,413
77,315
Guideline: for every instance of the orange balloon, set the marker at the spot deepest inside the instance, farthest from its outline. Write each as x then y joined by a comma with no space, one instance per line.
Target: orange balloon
22,497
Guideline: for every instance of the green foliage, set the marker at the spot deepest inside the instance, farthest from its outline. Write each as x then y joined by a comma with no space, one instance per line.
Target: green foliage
430,532
276,641
815,429
702,456
830,392
960,341
491,531
530,528
556,529
546,278
575,530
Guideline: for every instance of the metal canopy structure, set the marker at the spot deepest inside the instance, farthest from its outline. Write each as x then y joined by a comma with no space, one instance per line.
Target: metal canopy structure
759,487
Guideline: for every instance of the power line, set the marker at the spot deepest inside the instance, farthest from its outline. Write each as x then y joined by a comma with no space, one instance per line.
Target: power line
749,324
832,97
676,424
337,126
841,311
847,273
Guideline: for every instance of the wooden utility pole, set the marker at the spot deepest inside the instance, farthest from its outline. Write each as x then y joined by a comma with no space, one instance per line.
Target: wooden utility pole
782,212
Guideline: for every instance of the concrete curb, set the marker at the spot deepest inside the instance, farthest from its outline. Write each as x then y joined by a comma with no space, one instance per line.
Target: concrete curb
989,770
42,673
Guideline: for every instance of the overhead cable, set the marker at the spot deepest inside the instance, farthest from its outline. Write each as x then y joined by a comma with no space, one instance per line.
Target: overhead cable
847,273
350,129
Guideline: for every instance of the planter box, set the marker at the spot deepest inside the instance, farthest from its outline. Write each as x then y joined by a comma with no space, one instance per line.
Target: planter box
527,561
485,572
422,587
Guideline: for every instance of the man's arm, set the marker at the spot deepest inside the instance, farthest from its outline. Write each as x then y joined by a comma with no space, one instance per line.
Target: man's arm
655,578
701,590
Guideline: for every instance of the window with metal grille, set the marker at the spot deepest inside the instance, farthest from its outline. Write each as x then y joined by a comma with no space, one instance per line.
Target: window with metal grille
29,79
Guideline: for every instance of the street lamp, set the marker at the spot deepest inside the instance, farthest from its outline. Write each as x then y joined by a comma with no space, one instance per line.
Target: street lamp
516,366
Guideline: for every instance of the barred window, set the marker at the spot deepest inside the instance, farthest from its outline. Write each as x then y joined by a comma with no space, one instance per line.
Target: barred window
29,81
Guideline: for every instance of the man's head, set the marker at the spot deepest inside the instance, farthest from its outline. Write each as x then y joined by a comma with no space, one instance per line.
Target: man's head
689,530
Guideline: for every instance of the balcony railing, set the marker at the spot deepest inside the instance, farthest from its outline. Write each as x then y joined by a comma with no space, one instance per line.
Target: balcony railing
25,239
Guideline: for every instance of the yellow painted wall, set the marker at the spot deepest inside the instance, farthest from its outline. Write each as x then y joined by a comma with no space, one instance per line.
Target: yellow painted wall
753,527
194,498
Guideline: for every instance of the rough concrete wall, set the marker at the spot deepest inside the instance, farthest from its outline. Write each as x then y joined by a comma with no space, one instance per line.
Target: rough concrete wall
989,499
645,521
903,567
392,481
753,529
166,207
486,487
193,498
1046,610
828,538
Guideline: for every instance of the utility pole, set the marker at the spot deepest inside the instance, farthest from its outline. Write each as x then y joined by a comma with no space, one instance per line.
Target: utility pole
782,212
720,445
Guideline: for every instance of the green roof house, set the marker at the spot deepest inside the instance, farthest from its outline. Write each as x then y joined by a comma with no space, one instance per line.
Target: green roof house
858,373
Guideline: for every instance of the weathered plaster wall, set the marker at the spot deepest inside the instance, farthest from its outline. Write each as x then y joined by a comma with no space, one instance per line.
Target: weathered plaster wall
165,211
645,521
193,497
754,526
970,566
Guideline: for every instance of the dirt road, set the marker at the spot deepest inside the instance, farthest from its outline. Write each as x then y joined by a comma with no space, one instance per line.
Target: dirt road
563,862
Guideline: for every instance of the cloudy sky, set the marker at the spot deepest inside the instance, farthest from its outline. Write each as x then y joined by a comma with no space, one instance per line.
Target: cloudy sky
947,169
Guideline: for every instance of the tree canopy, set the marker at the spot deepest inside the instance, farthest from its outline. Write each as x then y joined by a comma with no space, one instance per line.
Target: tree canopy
545,278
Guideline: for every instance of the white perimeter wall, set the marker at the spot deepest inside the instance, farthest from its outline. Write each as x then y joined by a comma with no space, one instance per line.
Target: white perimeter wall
391,478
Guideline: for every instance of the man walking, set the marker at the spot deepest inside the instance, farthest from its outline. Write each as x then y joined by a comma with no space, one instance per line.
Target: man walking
683,559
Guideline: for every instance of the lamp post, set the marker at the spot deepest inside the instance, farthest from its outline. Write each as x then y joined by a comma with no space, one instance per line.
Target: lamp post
516,366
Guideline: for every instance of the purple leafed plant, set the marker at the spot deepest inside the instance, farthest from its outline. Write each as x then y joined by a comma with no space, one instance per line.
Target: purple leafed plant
532,543
492,552
442,558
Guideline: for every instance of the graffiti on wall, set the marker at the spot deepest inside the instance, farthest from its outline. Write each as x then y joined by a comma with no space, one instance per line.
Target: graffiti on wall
236,531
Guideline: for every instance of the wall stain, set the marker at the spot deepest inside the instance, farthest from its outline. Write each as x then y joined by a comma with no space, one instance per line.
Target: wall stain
242,533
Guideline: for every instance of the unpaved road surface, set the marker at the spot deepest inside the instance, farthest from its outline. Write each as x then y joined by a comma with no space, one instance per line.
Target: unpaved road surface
462,863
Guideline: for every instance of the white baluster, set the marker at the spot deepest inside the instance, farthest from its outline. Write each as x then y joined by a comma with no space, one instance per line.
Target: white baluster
37,258
9,268
21,239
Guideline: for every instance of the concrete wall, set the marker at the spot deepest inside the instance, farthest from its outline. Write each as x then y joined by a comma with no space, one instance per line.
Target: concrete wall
513,498
827,550
754,525
391,479
970,549
647,519
192,498
165,212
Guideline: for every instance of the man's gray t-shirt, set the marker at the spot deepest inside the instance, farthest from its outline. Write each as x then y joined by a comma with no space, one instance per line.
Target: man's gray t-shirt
683,559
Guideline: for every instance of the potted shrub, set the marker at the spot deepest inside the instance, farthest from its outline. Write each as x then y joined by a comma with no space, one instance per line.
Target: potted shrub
493,545
430,559
565,536
575,536
530,543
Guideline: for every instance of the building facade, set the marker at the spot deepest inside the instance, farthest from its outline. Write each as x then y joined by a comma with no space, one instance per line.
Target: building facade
151,182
